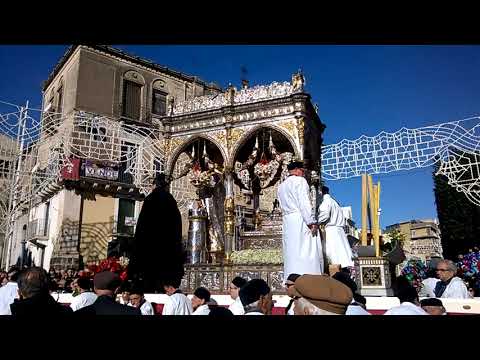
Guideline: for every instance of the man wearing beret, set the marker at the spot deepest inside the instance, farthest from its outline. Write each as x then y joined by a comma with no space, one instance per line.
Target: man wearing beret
321,295
106,285
302,248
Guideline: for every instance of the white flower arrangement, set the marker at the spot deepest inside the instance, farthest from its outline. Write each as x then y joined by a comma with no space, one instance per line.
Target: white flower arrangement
257,257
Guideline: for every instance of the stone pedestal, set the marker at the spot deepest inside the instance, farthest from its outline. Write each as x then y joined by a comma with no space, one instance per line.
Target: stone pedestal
373,276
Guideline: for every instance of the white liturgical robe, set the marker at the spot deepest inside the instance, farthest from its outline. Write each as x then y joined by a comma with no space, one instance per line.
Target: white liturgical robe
84,299
337,248
147,308
8,293
237,307
202,310
406,308
302,252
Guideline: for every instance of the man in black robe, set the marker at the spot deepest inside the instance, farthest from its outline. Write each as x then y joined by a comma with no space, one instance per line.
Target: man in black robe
157,253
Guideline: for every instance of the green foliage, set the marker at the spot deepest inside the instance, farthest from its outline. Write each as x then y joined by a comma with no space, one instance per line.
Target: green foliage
459,218
396,237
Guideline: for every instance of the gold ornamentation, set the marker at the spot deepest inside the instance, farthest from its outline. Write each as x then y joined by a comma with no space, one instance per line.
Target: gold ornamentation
233,135
166,146
289,126
300,129
221,136
229,216
176,142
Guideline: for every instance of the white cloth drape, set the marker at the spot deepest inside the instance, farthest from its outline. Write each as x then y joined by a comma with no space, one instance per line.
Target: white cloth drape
337,248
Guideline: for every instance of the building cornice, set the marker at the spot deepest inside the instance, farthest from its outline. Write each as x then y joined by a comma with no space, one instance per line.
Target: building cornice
135,60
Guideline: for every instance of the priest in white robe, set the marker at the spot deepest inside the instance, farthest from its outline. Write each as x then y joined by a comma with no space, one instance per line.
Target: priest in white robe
302,247
337,248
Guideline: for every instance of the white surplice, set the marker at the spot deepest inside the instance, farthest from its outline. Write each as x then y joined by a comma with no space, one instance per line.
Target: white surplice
237,307
406,308
83,299
302,252
177,304
337,248
202,310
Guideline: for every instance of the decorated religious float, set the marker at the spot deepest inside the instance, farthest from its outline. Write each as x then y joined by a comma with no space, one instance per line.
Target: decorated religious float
226,154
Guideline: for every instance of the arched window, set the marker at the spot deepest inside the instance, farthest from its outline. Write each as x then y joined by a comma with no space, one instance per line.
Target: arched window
133,83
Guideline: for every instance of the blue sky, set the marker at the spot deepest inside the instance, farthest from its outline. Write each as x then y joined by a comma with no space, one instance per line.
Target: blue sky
359,90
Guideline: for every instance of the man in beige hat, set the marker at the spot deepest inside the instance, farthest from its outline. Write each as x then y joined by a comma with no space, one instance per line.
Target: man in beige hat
321,295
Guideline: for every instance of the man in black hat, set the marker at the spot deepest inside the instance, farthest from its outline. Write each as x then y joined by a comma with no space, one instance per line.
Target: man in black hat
157,254
302,248
256,298
106,284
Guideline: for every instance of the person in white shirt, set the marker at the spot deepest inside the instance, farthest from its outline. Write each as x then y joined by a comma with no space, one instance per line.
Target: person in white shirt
200,300
86,297
428,285
236,307
337,248
408,296
9,292
256,297
449,285
177,303
137,299
302,247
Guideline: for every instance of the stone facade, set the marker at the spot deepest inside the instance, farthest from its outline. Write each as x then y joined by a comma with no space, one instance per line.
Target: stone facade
422,238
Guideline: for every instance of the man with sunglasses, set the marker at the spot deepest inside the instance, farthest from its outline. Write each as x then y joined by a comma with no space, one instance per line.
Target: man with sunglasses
449,285
289,285
236,307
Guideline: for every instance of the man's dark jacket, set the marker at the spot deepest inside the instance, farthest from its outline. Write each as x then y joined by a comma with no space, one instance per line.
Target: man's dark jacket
39,305
106,305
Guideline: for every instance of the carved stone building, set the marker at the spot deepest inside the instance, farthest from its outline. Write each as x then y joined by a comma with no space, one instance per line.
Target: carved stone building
94,204
248,135
422,238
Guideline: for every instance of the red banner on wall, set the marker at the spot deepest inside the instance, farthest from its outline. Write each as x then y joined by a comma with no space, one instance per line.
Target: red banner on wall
71,171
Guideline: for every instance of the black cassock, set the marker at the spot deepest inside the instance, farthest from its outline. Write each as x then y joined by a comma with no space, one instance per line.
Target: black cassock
157,252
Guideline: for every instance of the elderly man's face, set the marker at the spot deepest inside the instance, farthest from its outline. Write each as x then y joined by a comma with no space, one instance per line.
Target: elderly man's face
443,272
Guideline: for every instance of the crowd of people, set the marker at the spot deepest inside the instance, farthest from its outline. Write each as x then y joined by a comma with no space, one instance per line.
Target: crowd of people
28,292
